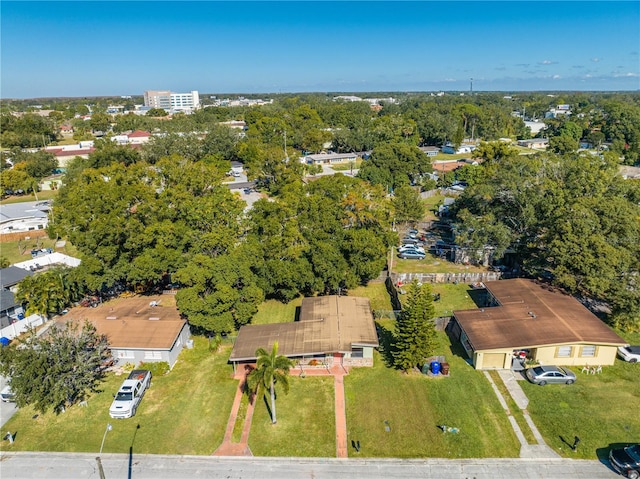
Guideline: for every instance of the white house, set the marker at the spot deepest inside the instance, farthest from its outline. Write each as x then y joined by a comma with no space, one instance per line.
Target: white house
328,158
21,217
534,143
462,149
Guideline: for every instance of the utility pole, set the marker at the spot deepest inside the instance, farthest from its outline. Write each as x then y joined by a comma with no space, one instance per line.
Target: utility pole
471,87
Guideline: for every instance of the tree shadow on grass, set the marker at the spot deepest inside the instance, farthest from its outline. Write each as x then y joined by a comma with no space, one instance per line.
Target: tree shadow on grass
387,341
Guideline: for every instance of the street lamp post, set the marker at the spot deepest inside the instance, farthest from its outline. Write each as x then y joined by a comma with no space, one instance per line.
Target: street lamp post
109,427
98,460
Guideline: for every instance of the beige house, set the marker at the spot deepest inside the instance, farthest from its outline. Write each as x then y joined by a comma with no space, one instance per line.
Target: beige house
536,320
139,329
331,330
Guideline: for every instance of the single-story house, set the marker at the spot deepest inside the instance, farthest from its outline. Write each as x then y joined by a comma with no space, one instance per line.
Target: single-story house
430,150
11,276
522,315
139,137
27,216
450,149
331,330
329,158
139,329
534,143
10,310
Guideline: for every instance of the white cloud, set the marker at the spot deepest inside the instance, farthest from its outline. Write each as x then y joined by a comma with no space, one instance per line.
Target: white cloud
556,77
625,75
595,59
547,62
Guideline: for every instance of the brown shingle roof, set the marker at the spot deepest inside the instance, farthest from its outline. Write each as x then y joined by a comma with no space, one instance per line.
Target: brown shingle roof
531,315
327,324
127,323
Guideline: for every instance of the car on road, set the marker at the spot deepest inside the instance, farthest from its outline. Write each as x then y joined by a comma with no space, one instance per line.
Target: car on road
6,394
411,255
542,375
626,461
629,353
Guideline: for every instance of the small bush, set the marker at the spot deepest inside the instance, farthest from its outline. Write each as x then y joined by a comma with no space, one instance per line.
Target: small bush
157,369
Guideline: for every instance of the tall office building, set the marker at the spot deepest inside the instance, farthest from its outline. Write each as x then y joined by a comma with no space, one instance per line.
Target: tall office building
170,101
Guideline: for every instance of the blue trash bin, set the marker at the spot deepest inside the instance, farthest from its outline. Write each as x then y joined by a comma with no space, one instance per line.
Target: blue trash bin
435,367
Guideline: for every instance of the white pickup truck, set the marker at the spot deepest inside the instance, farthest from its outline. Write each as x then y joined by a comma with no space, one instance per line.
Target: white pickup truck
130,394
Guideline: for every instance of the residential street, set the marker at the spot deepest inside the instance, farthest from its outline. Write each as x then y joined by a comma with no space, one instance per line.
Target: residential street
80,466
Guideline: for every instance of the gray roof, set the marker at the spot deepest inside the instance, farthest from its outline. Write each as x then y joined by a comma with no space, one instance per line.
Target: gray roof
327,324
12,275
29,209
7,300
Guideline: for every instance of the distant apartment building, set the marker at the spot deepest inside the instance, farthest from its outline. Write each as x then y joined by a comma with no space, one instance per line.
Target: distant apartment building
172,102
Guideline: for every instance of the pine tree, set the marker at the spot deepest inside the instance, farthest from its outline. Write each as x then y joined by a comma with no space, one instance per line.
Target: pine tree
415,329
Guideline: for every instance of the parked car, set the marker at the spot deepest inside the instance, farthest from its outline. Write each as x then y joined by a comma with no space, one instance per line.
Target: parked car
7,395
542,375
626,461
411,255
410,247
629,353
407,240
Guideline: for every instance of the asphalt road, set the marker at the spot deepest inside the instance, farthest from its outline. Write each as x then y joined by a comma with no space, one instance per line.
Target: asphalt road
7,409
29,465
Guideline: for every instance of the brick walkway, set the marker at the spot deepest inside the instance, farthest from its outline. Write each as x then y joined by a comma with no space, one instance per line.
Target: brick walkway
230,448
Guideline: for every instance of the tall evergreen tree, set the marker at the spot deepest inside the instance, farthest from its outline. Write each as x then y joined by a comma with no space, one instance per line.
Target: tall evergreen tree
415,329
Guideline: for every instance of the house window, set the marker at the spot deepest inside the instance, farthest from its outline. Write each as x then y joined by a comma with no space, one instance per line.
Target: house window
357,352
588,351
564,351
152,355
125,354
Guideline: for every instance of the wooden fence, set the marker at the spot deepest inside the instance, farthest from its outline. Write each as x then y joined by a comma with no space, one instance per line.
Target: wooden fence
22,235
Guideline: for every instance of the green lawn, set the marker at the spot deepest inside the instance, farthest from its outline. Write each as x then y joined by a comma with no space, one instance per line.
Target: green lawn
377,294
431,264
42,195
600,409
452,297
346,166
306,421
273,311
415,405
11,250
184,412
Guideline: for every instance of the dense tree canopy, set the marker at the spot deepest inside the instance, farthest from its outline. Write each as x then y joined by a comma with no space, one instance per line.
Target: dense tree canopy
58,369
571,216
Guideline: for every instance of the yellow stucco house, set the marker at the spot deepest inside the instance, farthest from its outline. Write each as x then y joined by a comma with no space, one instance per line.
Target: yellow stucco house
525,317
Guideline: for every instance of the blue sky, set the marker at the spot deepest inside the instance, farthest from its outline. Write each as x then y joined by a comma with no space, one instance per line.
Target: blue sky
123,48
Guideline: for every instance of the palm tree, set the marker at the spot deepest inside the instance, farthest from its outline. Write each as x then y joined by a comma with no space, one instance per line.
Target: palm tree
270,369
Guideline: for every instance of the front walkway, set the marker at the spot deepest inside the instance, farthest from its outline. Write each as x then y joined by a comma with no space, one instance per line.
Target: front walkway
230,448
539,450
